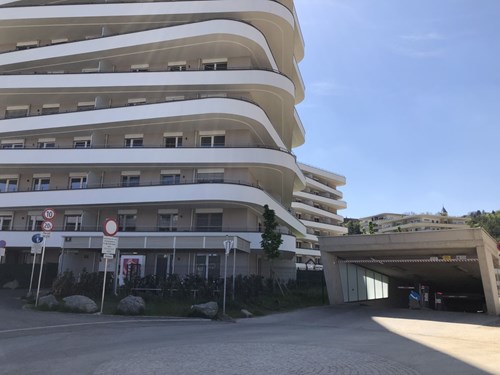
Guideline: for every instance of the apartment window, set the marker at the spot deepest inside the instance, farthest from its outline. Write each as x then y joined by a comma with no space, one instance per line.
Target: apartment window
85,106
139,68
17,111
136,101
167,222
298,216
212,140
209,221
134,140
316,219
35,222
208,266
173,142
316,246
5,222
130,180
49,109
177,67
27,45
13,143
170,179
127,222
41,183
46,143
8,184
298,245
298,259
317,233
78,182
73,222
81,143
215,65
210,175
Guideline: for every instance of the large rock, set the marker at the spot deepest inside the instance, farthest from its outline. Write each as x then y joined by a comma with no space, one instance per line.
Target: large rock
80,304
11,285
131,305
208,309
49,301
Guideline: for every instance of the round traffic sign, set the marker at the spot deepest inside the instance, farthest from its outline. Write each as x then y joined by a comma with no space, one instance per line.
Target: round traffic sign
37,238
49,214
3,243
110,227
47,226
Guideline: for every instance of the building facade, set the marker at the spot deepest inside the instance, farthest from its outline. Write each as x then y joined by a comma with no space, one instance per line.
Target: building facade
390,222
176,118
317,207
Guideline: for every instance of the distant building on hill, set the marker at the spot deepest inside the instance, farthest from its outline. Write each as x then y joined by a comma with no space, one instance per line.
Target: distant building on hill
411,222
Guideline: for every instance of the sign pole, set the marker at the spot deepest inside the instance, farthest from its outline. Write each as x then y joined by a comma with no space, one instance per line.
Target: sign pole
104,283
40,274
224,296
234,272
32,273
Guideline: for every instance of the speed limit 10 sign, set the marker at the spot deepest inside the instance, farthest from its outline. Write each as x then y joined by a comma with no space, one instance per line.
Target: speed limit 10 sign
49,214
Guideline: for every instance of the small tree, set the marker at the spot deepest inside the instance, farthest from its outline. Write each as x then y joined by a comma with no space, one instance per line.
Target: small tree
271,239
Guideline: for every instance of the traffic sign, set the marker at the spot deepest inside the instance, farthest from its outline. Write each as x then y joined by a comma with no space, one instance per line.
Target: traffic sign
47,226
49,214
110,227
109,244
36,248
37,238
2,251
3,243
108,256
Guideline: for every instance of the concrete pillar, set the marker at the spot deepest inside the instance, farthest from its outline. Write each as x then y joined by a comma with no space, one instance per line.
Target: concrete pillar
489,280
332,278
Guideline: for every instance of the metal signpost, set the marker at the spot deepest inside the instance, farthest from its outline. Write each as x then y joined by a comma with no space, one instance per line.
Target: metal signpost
109,245
228,244
48,214
36,248
3,244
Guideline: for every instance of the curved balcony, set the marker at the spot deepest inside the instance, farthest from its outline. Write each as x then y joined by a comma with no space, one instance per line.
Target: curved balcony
301,207
324,226
273,19
235,113
326,201
164,194
265,163
185,42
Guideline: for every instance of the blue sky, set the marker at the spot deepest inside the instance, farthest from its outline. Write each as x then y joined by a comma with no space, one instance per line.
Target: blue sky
403,98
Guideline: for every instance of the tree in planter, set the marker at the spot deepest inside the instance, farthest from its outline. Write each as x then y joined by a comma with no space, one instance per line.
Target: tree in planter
271,239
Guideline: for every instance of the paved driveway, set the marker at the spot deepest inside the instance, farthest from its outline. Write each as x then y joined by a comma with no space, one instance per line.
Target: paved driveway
328,340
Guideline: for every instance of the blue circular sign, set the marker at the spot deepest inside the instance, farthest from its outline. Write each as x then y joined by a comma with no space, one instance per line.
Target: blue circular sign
37,238
3,243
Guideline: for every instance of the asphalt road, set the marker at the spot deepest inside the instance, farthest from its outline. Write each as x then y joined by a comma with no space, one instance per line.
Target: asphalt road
349,339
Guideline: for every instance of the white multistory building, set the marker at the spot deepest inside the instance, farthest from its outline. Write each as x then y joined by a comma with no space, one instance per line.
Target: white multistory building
176,118
316,206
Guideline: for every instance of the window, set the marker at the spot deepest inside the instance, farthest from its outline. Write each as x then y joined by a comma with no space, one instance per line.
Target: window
49,109
212,140
85,106
14,143
8,184
27,45
130,180
177,68
17,111
298,260
316,219
173,142
35,222
298,245
5,222
139,68
167,222
83,143
316,246
46,143
136,101
126,222
209,175
170,179
222,65
134,140
208,266
78,182
209,222
41,183
72,223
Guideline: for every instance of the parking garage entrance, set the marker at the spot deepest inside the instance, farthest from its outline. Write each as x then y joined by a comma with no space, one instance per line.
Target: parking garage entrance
455,270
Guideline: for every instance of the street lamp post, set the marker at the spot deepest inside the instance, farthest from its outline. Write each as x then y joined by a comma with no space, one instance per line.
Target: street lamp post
228,244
